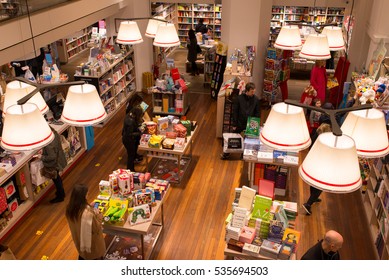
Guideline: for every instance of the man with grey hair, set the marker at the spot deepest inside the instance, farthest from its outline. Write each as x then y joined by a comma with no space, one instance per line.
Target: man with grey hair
327,248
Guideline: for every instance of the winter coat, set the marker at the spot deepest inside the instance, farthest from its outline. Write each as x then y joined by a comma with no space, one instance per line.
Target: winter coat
319,82
53,155
192,50
130,132
244,106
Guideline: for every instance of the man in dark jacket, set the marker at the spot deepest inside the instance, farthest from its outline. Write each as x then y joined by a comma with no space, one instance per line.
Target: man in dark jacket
131,134
53,157
244,106
327,248
201,27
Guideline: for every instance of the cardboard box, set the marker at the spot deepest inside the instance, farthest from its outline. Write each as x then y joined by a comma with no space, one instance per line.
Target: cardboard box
9,188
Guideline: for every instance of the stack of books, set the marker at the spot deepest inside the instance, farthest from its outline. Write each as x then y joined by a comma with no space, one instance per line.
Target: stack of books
247,235
270,249
276,231
251,249
251,147
239,217
232,232
262,205
290,241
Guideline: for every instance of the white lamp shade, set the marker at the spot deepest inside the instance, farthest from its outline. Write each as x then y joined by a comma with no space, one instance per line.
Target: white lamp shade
129,33
335,37
166,36
315,47
289,38
16,90
83,106
286,128
152,27
332,168
25,128
368,129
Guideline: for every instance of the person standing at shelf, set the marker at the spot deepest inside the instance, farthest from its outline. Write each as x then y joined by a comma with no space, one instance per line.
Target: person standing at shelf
327,248
131,134
192,52
85,225
201,27
319,79
54,161
244,106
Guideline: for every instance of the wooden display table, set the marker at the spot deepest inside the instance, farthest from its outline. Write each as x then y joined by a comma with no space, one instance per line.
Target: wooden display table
230,254
170,154
154,227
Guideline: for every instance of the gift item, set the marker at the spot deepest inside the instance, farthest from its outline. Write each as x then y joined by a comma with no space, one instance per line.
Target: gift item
126,185
155,141
151,128
13,205
182,84
188,126
233,143
3,200
252,127
168,143
235,245
179,143
105,190
9,188
171,134
180,129
139,214
145,196
163,125
174,74
113,181
144,140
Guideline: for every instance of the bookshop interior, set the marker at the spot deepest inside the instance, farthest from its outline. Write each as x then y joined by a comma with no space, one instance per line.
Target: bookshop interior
308,170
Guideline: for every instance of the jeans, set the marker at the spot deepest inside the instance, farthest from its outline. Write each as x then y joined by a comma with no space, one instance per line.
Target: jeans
59,190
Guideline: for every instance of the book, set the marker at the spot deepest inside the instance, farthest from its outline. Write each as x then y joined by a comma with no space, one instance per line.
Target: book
286,251
276,231
266,188
281,216
247,234
179,143
261,207
270,249
246,198
140,214
251,249
235,245
239,217
237,195
252,127
291,236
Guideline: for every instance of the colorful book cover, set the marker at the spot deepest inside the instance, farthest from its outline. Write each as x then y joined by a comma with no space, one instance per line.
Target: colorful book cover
291,236
144,140
252,127
261,207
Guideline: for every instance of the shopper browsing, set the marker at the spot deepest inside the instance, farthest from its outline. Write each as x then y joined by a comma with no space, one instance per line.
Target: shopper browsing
192,51
54,161
131,135
319,79
244,106
85,225
327,248
201,27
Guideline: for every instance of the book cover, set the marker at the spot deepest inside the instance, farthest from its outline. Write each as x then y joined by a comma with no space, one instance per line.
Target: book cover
271,247
266,188
246,198
261,207
179,143
144,140
140,214
291,236
281,216
252,127
237,195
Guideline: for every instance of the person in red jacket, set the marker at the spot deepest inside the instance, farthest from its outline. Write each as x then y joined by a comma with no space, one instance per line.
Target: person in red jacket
319,79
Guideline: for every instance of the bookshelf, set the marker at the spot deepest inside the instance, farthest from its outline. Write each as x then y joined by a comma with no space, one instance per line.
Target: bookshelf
116,82
71,46
170,103
287,15
189,14
169,12
375,197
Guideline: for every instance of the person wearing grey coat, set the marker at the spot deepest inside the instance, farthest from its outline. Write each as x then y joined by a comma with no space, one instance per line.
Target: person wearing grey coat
53,157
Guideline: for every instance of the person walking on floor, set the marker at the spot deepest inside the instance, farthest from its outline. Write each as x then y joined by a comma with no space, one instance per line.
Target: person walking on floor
327,248
244,106
85,225
319,79
54,161
131,135
192,52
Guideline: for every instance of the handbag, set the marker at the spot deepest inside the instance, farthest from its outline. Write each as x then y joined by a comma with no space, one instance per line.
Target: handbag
49,172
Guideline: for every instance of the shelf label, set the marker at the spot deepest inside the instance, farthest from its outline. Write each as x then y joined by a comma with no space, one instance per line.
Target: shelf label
265,155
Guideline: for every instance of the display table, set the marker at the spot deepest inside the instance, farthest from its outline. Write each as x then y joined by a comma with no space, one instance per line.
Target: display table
293,163
153,226
170,154
230,254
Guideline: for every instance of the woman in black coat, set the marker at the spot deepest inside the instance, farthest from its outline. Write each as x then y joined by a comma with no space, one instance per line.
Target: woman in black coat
192,52
131,134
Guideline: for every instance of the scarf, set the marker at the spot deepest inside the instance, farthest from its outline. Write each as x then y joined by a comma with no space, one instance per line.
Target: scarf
86,231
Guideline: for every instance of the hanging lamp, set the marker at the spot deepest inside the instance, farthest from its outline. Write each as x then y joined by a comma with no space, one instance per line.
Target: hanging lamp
129,33
316,47
289,38
335,37
166,36
152,26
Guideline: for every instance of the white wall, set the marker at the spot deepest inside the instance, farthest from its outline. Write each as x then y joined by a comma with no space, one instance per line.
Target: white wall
51,25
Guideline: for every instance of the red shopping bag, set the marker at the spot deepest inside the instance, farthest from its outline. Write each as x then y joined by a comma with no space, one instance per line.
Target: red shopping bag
174,74
183,85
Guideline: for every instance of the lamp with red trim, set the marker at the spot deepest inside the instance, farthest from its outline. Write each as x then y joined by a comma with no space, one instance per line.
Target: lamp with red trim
289,38
164,33
332,164
25,128
335,37
83,106
368,129
16,90
316,47
286,128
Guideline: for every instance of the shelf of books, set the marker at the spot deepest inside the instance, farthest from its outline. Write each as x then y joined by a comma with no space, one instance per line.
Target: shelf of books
73,45
375,196
114,77
259,227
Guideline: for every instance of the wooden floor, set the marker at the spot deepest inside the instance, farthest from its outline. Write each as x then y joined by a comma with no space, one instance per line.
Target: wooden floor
195,210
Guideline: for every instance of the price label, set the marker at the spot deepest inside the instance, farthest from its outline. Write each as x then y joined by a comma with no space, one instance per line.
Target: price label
265,155
291,160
